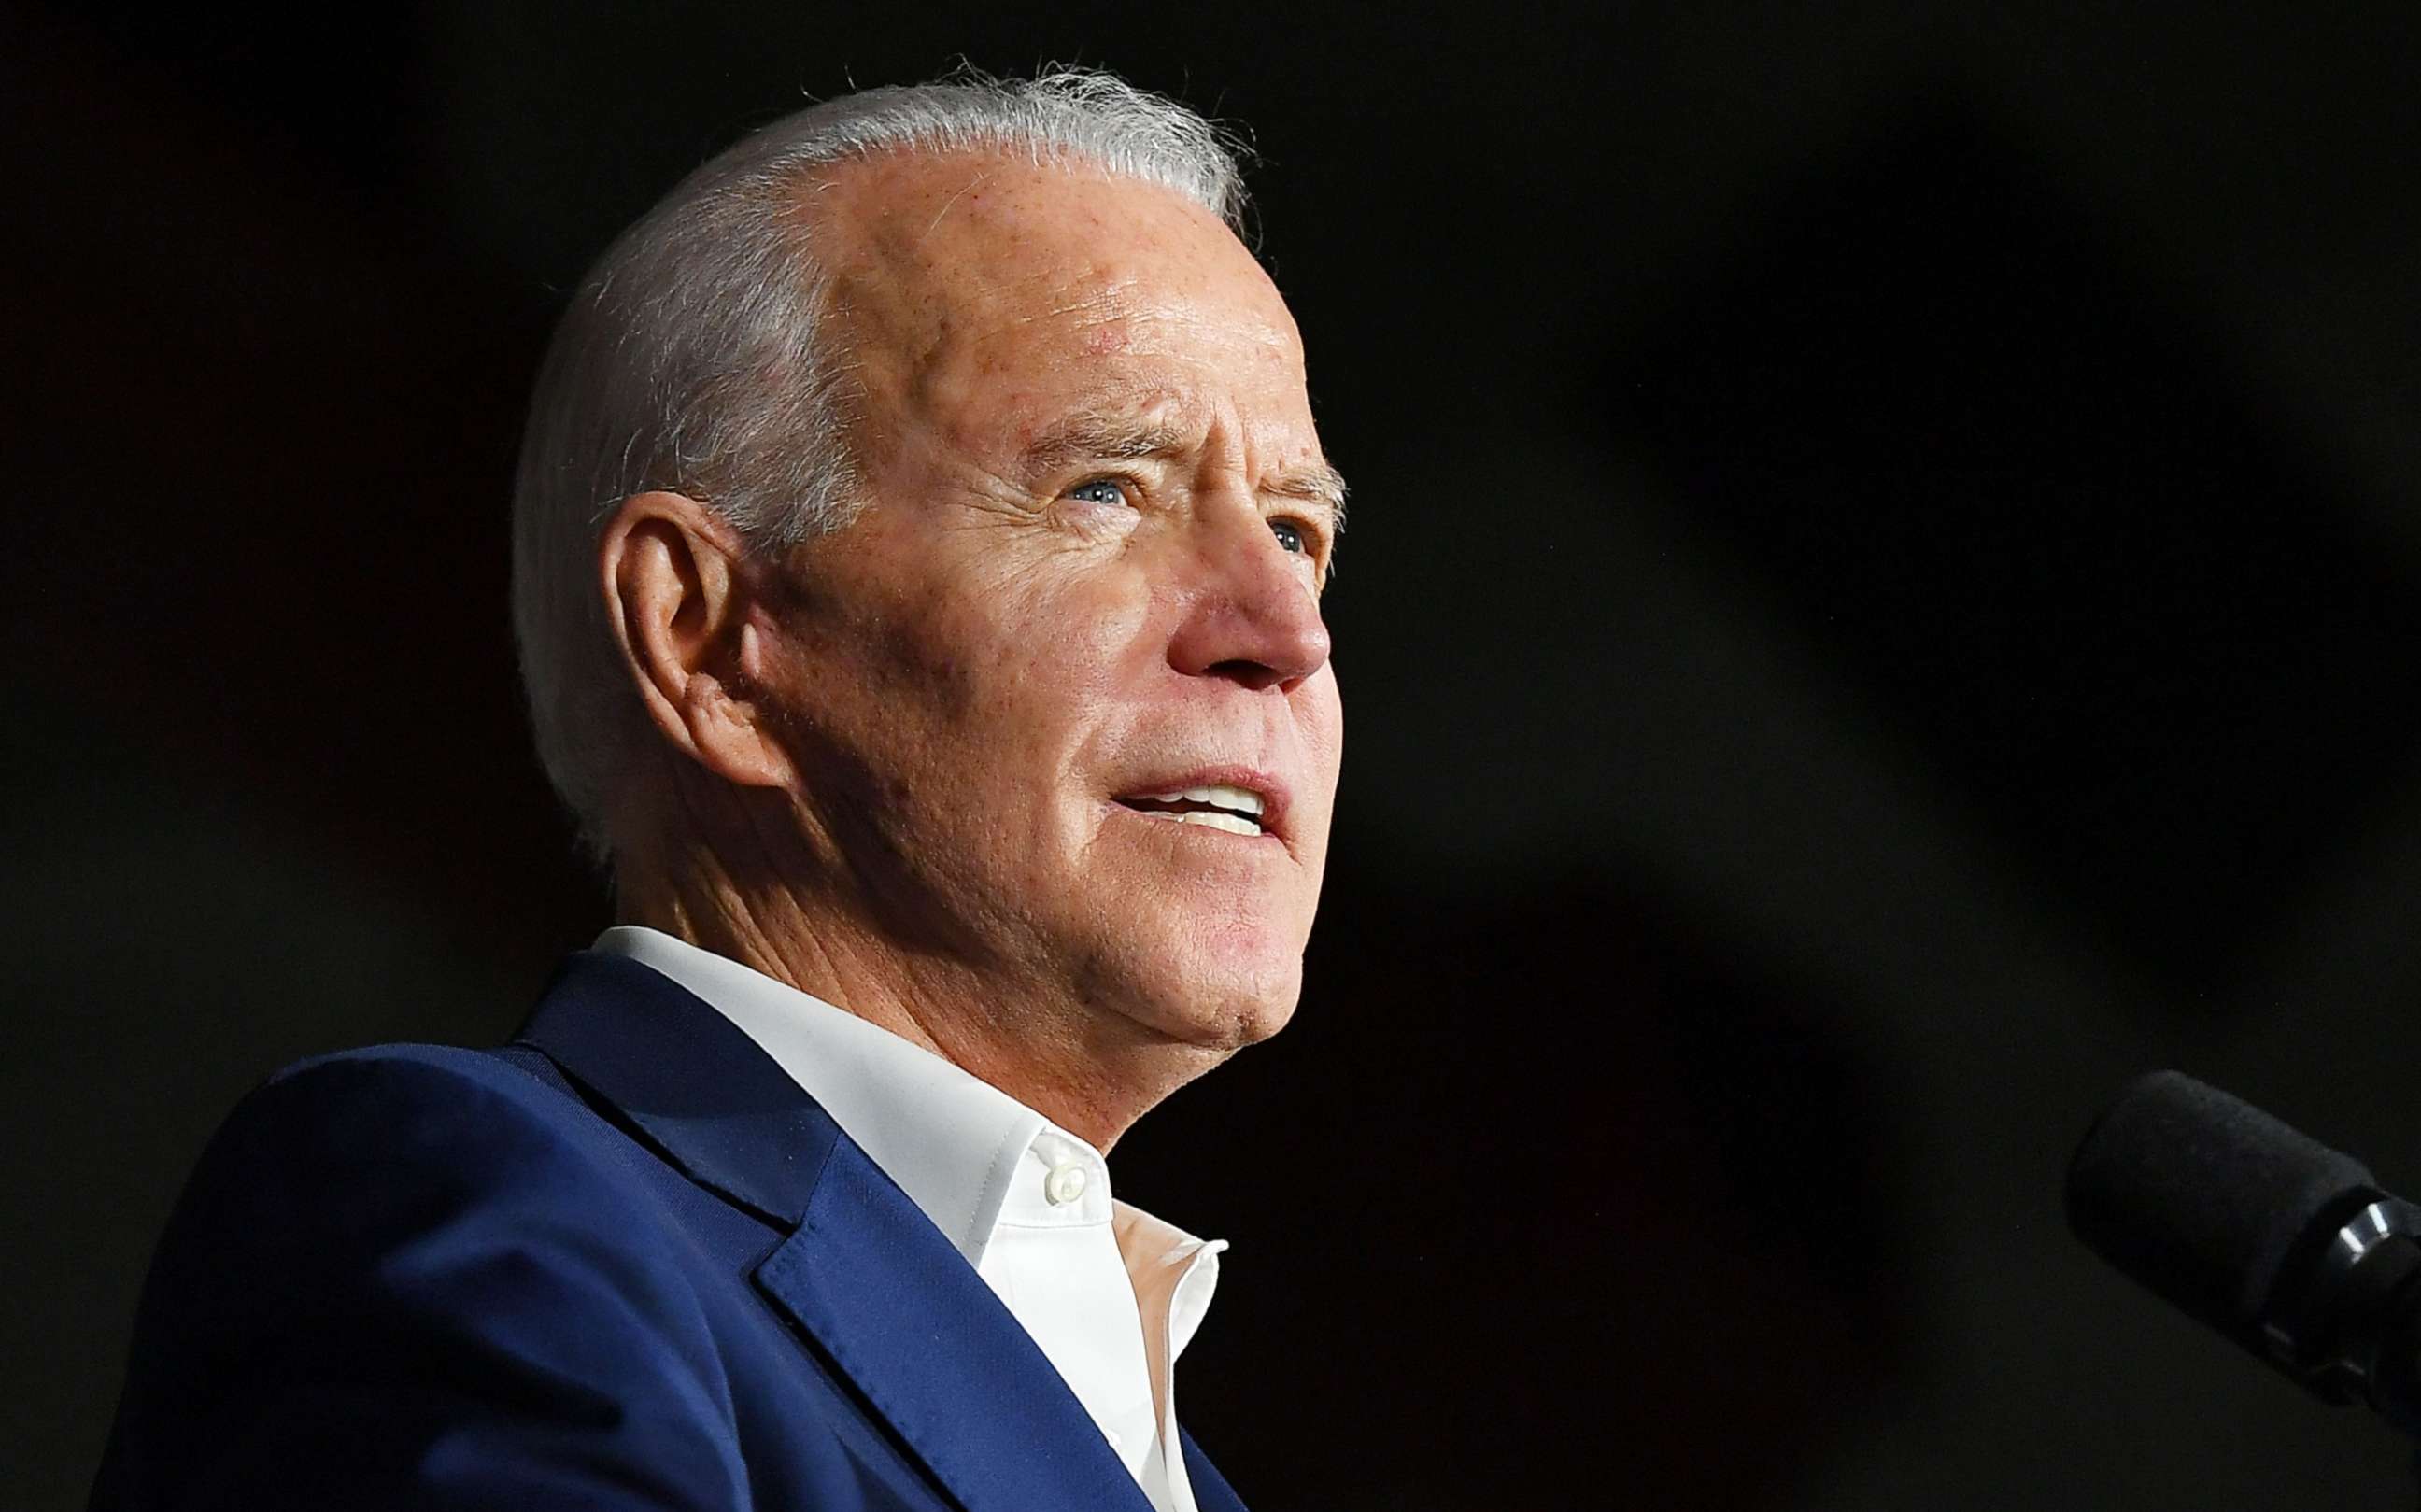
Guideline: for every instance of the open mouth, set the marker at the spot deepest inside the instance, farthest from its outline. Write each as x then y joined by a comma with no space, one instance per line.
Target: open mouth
1236,810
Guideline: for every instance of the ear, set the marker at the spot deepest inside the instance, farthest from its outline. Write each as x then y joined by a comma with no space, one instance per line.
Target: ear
678,602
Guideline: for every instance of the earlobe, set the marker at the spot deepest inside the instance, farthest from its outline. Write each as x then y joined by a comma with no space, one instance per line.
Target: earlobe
678,602
727,733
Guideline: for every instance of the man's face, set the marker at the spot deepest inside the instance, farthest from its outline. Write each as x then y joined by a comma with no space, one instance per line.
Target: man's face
1086,584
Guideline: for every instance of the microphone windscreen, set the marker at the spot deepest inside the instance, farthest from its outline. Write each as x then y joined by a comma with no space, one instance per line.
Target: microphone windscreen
2202,1197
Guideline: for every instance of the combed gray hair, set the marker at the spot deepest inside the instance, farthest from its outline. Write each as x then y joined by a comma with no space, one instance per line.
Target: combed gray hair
691,359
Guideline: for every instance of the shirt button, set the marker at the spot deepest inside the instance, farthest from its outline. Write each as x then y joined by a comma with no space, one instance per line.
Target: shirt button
1064,1185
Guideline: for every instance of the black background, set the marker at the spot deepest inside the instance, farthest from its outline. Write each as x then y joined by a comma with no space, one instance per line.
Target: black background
1881,601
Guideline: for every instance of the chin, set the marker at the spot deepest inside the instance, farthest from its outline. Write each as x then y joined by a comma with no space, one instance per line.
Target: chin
1230,1025
1211,1000
1227,1005
1216,995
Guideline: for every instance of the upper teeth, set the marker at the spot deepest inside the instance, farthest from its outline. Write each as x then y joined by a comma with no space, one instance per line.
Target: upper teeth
1219,795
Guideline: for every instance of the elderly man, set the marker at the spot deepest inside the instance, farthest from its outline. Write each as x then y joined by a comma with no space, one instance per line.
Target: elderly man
920,544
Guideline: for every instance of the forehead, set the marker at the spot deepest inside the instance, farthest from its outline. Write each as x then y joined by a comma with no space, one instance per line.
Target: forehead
982,282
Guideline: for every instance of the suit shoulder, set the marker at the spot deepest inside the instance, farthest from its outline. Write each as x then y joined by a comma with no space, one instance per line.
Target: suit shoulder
408,1071
348,1143
443,1090
391,1246
418,1183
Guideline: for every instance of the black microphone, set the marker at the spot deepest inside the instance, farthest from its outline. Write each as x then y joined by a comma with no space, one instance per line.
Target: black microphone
2283,1244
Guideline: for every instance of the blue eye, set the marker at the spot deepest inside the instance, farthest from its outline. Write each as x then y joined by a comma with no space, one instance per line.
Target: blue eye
1290,536
1100,490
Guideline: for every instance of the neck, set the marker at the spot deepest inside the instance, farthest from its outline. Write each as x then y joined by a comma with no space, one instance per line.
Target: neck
1091,1072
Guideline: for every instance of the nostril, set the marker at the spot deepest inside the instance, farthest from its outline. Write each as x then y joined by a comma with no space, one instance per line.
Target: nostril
1256,641
1253,675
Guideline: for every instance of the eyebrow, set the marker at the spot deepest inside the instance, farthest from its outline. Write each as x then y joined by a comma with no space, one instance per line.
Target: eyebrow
1103,438
1108,438
1318,483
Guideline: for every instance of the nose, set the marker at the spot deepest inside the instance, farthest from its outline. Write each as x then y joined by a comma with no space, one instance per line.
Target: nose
1252,613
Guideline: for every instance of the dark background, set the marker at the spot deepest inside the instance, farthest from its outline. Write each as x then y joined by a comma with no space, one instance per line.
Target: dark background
1881,601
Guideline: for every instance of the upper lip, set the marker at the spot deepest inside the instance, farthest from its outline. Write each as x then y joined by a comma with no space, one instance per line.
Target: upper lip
1275,800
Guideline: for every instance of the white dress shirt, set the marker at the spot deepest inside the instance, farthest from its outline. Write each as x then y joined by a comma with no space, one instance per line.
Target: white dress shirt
1110,1293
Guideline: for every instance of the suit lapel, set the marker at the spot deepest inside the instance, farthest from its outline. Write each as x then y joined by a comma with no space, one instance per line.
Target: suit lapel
1211,1493
864,1273
696,1085
897,1308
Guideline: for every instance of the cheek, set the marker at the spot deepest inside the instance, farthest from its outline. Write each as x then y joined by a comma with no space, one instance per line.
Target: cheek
1030,669
1320,716
940,656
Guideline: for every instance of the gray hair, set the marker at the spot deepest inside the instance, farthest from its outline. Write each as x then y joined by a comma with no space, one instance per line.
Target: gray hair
691,359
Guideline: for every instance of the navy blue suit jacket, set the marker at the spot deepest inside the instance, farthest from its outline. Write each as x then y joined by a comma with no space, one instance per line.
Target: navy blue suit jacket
622,1262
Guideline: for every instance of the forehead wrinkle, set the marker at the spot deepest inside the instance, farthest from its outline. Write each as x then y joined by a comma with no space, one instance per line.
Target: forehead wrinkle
1149,314
951,284
1090,296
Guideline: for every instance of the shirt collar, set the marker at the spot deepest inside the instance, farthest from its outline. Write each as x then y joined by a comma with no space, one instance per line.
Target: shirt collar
965,1153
